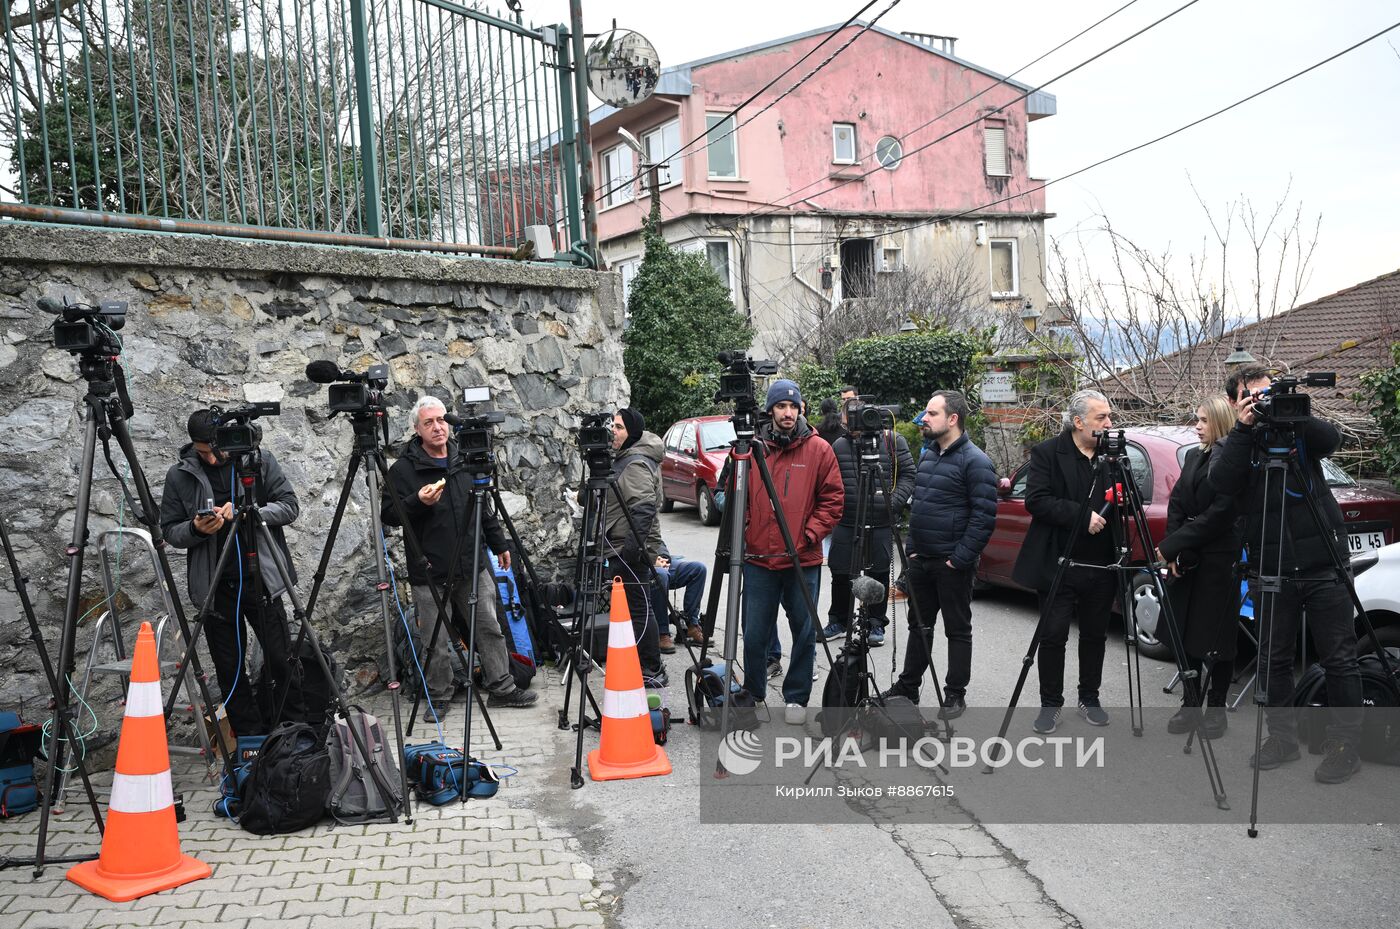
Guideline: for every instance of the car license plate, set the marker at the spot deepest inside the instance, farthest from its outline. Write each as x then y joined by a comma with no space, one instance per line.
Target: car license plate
1358,542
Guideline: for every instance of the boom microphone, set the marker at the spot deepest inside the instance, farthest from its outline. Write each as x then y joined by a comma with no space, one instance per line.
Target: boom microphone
324,372
868,590
50,305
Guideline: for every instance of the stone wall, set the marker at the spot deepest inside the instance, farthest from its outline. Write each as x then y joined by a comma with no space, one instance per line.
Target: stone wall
229,321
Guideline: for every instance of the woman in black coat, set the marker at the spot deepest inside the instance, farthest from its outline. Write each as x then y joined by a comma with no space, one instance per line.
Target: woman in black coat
1201,547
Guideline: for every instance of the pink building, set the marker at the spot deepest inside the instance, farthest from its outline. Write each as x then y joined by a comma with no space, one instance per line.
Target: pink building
807,204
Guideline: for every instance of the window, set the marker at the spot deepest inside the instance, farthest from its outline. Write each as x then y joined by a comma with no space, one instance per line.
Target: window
688,440
722,150
1005,274
628,270
1018,483
892,259
659,144
717,253
889,153
994,145
617,175
673,438
843,143
1141,466
717,435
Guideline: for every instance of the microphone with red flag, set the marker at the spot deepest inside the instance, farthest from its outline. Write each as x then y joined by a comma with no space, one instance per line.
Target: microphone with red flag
1112,497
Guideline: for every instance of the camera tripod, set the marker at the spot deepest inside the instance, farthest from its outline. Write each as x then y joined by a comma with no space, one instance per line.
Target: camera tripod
248,528
1113,477
1279,444
590,578
855,652
108,408
729,552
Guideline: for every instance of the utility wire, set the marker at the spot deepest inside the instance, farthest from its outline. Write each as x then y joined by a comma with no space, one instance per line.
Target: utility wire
952,132
1140,146
790,197
704,136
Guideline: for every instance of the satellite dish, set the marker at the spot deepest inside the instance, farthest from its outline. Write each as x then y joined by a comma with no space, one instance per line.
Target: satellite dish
623,68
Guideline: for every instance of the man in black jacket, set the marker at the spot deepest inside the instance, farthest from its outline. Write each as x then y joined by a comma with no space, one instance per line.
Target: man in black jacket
1309,581
954,513
1060,479
891,497
436,494
203,481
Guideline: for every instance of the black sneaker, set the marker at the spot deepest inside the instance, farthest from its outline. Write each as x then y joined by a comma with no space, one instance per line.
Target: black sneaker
1274,752
1185,719
1214,723
1093,714
775,668
1048,719
953,708
900,690
658,681
1339,762
517,698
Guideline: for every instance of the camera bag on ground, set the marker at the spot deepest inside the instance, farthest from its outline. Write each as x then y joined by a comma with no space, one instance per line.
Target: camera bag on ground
512,614
287,783
893,720
354,795
440,774
231,784
704,692
846,688
317,697
1380,722
19,743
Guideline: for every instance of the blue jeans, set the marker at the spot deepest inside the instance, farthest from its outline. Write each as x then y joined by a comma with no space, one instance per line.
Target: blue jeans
764,590
681,575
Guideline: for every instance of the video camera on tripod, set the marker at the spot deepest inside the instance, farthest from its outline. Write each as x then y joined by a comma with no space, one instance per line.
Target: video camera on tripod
1111,443
473,431
595,442
866,418
235,433
1283,404
83,328
736,380
356,394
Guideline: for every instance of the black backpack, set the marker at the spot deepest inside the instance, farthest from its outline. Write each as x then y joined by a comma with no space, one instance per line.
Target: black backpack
1380,730
847,687
287,784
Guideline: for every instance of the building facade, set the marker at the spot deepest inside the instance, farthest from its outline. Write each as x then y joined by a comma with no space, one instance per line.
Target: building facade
806,204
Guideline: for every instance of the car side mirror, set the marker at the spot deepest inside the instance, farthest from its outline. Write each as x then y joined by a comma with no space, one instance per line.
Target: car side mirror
1004,487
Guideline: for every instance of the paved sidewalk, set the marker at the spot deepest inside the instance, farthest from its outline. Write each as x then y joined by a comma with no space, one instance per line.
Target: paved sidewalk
486,863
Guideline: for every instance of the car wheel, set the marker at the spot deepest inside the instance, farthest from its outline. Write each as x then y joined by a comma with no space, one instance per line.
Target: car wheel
705,503
1153,644
1387,630
667,504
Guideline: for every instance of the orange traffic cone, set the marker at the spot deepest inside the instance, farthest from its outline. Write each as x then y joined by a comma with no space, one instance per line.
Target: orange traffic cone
141,845
627,747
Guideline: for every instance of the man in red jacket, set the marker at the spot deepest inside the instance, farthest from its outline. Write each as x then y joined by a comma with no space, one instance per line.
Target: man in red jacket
808,481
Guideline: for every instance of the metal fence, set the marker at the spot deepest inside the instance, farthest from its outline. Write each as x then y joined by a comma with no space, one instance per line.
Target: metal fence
425,121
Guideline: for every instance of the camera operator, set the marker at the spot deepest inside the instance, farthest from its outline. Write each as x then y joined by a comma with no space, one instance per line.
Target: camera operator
636,471
1061,477
1200,548
203,481
1309,583
437,500
808,479
897,473
953,515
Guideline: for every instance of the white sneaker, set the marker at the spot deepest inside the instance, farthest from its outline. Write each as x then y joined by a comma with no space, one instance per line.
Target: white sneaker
795,714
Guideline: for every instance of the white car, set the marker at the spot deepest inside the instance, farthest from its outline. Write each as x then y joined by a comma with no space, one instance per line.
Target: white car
1377,574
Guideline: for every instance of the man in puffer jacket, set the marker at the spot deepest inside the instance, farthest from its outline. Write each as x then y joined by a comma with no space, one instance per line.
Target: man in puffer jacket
953,514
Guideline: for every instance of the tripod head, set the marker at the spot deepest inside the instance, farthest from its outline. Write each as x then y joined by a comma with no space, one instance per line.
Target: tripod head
1111,443
90,332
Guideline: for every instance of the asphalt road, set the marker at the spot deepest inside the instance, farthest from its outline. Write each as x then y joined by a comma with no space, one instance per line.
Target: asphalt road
670,871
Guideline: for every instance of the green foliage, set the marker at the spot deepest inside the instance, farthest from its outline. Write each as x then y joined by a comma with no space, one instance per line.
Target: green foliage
817,383
912,434
681,318
907,368
1380,391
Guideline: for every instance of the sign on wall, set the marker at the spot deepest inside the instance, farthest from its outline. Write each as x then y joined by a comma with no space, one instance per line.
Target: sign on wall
999,387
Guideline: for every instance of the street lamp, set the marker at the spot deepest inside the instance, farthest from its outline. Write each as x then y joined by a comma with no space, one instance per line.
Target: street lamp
1239,357
1029,316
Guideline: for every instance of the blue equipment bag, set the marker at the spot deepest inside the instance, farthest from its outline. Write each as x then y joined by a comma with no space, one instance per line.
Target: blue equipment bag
19,743
231,784
513,620
440,774
704,692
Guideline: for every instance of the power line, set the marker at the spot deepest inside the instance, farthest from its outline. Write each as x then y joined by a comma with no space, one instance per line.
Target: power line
1085,31
704,136
1140,146
952,132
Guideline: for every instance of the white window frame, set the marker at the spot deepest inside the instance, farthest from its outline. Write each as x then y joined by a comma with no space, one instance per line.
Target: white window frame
994,151
732,140
628,268
655,147
836,157
891,263
624,157
993,245
728,261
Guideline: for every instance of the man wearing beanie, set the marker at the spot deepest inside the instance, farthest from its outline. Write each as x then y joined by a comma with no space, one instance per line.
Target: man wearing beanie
636,474
808,482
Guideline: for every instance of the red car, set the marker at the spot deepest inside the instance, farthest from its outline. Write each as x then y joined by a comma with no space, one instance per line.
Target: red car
1155,455
695,453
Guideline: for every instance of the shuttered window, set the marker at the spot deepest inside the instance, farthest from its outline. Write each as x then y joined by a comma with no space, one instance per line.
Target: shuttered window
994,141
